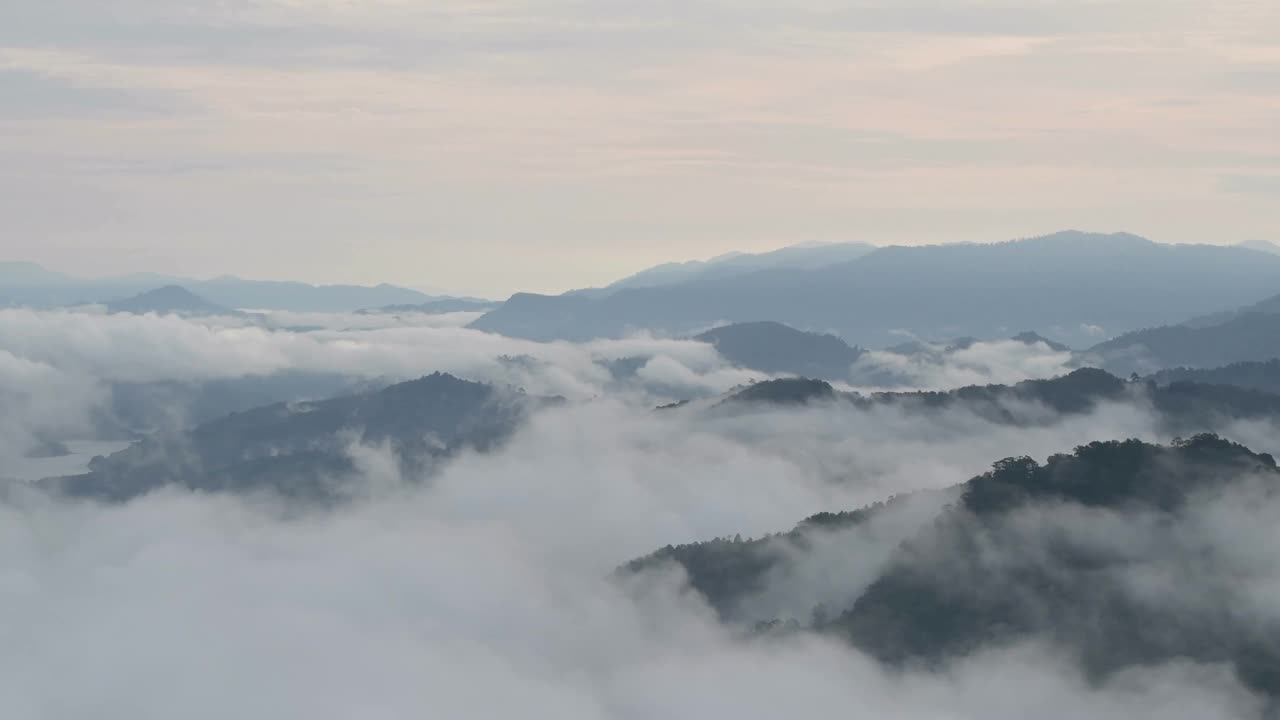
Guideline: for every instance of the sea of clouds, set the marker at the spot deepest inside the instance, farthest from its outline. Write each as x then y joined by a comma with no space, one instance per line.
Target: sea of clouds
486,590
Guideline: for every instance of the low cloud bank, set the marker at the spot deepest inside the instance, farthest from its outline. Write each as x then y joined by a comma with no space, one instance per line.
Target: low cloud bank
57,367
482,594
938,367
485,590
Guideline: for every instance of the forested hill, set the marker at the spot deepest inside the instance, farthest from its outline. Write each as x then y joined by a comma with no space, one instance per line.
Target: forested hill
300,449
1063,552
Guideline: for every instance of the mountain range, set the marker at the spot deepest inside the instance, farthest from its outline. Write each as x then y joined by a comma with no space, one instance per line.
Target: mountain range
1180,407
797,257
23,283
1070,285
300,449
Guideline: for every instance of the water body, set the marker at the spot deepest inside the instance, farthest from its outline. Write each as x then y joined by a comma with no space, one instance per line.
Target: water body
82,451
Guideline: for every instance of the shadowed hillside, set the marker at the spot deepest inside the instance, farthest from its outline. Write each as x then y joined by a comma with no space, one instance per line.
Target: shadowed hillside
300,450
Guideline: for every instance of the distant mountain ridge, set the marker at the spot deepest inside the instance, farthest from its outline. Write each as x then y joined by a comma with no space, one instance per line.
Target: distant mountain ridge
23,283
434,307
802,257
1069,284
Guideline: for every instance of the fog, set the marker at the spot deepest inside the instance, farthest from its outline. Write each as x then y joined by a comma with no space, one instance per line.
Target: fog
81,352
482,596
938,367
486,589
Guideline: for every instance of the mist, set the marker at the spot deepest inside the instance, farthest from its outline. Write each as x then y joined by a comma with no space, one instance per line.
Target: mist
483,594
487,588
601,360
82,353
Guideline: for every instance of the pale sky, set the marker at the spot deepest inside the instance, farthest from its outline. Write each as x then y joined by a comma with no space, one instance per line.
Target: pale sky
487,146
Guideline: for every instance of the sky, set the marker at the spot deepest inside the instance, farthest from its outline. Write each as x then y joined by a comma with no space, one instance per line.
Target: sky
487,146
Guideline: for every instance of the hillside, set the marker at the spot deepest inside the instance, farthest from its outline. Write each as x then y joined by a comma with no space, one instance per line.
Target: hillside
1253,336
1260,376
300,450
1046,552
980,576
774,348
1179,408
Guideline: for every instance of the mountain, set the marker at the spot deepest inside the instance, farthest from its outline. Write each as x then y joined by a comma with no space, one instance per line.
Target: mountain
1267,306
1179,408
30,284
734,575
1069,284
1260,376
944,594
777,349
303,297
1110,552
299,450
145,407
805,257
1033,338
1252,336
435,307
168,300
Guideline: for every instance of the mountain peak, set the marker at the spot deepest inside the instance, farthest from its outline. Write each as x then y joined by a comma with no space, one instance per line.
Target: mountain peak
169,299
778,349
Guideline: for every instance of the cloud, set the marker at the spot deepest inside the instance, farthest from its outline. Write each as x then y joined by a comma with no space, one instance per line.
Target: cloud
485,590
746,123
937,367
28,94
1265,184
483,594
56,367
142,348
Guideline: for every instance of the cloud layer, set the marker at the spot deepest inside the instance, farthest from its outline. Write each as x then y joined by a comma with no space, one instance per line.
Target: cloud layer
484,594
485,590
